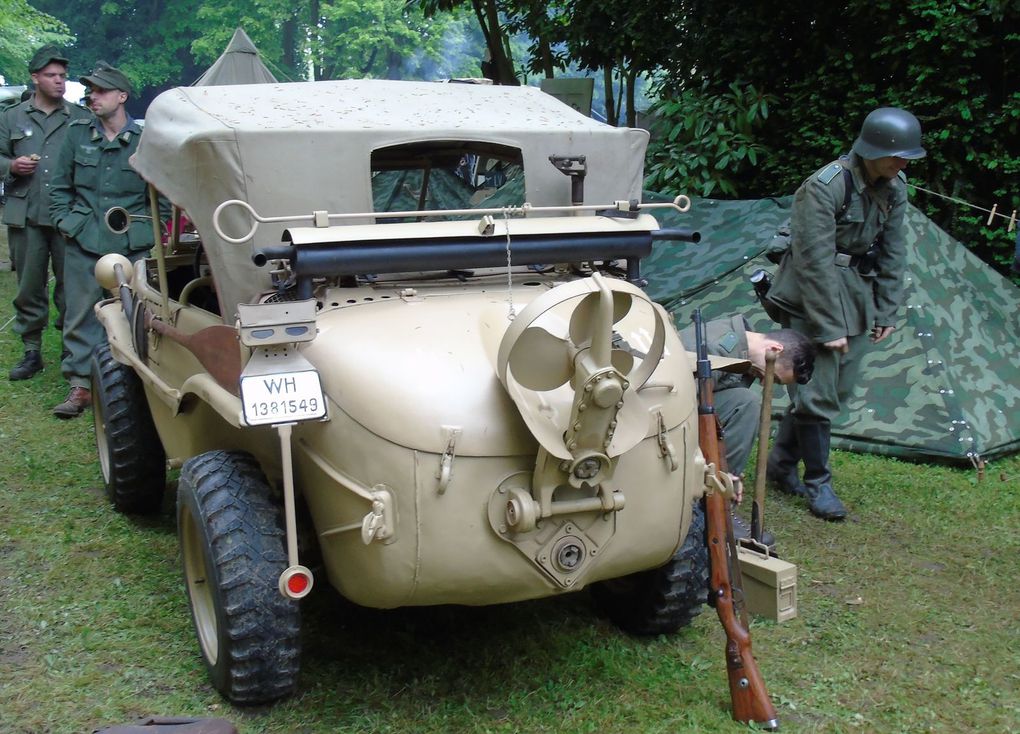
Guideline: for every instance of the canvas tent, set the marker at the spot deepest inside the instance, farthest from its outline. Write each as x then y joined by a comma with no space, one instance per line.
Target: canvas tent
238,64
945,385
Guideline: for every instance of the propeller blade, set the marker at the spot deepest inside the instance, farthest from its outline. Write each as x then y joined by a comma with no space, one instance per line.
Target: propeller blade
540,360
582,321
623,362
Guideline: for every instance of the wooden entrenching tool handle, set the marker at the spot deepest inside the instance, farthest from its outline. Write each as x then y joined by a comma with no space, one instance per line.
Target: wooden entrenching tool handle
764,427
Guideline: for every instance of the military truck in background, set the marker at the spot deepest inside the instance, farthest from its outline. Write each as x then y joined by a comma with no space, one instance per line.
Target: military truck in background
419,385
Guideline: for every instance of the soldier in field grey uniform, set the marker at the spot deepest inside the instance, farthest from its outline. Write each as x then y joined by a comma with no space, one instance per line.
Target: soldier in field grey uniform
31,134
92,175
736,404
840,283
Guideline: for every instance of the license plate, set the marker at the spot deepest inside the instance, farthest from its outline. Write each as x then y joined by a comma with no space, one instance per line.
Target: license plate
282,398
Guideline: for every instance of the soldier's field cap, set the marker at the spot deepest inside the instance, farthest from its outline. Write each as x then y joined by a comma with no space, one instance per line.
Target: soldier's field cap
44,56
105,76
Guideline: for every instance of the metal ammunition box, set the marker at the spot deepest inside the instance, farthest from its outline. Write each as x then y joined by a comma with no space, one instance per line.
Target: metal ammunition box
770,584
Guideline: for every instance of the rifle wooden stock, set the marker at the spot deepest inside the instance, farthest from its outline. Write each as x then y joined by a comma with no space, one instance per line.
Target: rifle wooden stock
748,695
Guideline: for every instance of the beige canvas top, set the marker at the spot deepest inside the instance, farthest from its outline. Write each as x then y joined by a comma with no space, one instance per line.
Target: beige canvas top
293,148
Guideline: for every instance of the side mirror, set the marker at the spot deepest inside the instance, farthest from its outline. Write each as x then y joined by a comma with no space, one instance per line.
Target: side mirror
118,219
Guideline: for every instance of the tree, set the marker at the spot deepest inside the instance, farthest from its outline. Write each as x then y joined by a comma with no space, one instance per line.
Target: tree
150,42
628,38
23,29
499,64
161,44
622,39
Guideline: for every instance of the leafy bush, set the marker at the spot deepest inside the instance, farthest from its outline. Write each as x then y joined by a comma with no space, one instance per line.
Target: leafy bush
703,141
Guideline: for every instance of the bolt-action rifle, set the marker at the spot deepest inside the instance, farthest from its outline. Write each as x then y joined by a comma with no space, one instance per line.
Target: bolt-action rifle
748,695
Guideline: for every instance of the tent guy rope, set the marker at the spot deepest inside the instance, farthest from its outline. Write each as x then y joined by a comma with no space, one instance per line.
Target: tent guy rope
992,213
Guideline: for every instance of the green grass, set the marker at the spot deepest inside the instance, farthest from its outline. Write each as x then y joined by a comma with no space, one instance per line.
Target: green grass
95,628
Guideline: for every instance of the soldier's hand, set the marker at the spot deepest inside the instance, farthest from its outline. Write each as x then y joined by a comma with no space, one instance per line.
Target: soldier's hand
881,332
24,165
839,345
738,489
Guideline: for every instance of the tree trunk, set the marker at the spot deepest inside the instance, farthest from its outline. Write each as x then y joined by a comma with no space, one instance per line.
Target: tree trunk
313,25
394,65
607,82
631,112
500,56
546,53
288,42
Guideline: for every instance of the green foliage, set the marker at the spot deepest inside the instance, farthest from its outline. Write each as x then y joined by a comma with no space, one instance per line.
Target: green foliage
376,38
148,41
23,29
953,64
164,44
704,142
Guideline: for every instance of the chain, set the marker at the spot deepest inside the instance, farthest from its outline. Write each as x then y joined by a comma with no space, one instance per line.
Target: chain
511,314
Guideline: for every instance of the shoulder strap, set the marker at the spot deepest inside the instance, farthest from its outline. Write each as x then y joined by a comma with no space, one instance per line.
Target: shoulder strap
848,187
829,173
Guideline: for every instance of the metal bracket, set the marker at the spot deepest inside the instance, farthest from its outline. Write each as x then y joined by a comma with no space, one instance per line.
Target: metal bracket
379,523
264,324
666,448
718,481
445,471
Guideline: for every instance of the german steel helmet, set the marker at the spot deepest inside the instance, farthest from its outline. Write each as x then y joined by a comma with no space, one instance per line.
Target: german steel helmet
889,131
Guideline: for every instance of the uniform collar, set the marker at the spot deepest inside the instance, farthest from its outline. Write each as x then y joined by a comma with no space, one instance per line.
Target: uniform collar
131,127
861,175
62,110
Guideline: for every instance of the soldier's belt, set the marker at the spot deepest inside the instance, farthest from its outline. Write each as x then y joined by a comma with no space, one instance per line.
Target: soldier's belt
846,260
865,264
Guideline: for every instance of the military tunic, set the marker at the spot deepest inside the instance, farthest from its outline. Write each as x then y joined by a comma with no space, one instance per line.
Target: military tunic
35,244
736,404
819,286
93,174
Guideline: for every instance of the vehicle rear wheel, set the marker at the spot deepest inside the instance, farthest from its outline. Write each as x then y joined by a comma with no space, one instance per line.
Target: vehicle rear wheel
131,455
233,550
664,599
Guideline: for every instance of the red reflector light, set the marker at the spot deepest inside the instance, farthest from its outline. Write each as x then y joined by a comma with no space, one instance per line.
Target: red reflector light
297,583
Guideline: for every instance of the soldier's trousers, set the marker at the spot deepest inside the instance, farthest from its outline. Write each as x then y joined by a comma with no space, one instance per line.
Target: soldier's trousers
35,250
739,411
832,381
82,330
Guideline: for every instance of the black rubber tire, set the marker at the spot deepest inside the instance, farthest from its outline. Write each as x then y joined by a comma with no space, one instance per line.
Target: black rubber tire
233,550
661,600
131,455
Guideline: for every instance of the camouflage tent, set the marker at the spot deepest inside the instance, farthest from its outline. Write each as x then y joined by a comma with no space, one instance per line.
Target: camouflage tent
946,385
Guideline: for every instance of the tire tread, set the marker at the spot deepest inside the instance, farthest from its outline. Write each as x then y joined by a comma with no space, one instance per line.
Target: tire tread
260,646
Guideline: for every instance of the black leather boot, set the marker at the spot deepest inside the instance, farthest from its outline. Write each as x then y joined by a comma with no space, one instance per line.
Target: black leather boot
781,470
813,438
29,365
